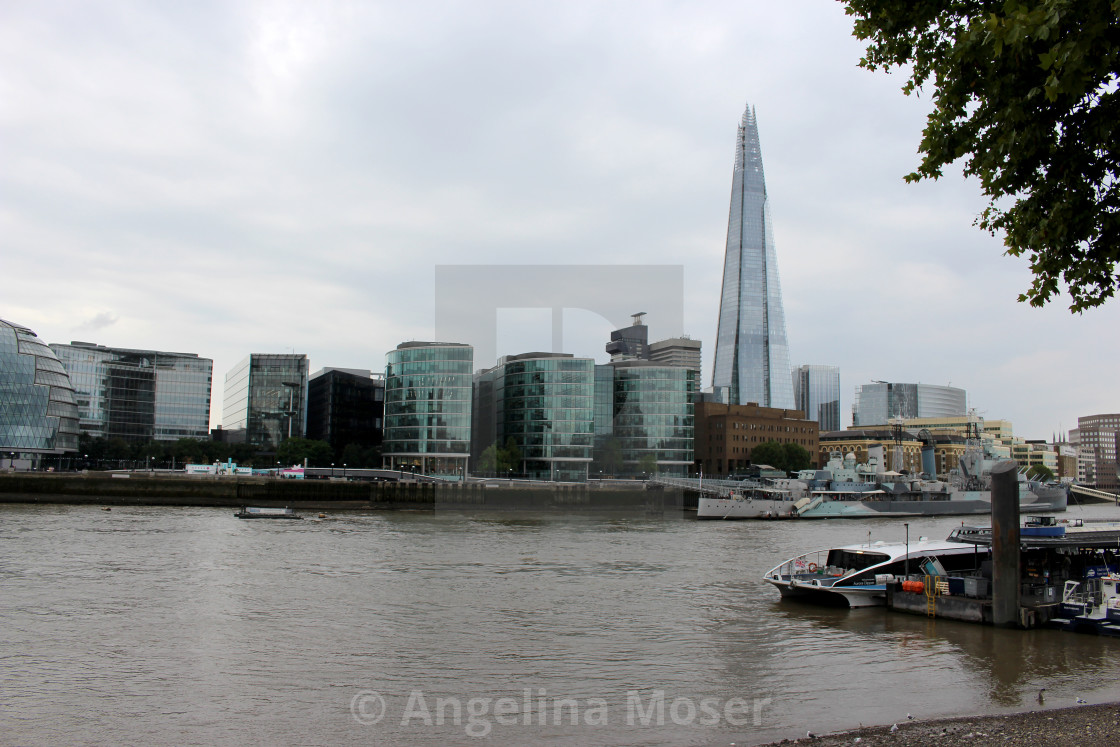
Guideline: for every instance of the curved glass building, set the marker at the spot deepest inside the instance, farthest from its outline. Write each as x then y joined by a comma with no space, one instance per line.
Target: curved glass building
752,352
428,389
37,410
654,420
545,403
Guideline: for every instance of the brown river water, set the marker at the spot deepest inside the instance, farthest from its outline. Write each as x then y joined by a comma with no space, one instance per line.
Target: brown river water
189,626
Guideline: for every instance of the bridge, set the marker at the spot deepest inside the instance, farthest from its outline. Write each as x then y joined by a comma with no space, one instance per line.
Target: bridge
705,486
1094,493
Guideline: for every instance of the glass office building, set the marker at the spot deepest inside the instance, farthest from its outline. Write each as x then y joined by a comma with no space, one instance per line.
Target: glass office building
544,403
878,402
345,406
654,420
428,389
816,392
266,398
38,414
752,351
139,395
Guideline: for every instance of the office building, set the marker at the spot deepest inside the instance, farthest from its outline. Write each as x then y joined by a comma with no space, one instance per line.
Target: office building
543,404
346,406
653,422
816,392
428,393
752,351
683,352
878,402
38,414
1099,439
726,434
139,395
266,397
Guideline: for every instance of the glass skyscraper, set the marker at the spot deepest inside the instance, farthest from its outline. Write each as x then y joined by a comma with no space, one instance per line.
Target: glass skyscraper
752,352
428,390
37,410
654,419
139,395
816,392
266,397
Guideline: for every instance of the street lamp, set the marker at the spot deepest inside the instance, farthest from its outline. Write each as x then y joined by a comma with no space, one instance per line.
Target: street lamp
907,561
332,469
344,470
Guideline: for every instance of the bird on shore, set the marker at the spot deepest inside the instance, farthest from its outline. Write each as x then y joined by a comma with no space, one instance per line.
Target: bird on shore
1041,700
1081,701
894,728
810,735
909,717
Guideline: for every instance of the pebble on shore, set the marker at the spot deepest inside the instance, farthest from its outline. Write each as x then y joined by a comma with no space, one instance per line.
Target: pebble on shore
1077,726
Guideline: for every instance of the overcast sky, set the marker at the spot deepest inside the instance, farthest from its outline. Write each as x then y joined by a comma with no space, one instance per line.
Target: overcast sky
229,177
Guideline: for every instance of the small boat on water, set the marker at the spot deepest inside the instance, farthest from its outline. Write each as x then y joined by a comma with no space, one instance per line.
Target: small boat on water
252,512
858,575
1091,605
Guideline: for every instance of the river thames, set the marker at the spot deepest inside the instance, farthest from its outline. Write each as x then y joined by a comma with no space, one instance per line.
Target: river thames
189,626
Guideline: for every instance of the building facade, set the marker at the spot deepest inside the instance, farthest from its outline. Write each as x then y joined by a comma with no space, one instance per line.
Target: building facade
266,397
683,352
139,395
653,422
428,393
346,406
878,402
816,392
544,404
726,434
38,414
1099,438
752,350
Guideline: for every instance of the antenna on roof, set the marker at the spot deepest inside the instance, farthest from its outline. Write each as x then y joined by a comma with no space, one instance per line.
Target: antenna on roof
637,318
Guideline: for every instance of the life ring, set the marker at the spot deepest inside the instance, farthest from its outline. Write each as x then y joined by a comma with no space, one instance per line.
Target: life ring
812,568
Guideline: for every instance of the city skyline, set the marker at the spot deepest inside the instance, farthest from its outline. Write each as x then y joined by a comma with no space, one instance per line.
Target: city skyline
232,179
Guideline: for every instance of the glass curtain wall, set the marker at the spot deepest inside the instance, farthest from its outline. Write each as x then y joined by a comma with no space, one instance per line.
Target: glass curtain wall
266,396
545,405
428,408
37,409
654,420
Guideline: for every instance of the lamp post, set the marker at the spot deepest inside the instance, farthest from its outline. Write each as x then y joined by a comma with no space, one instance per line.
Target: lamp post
344,470
332,469
907,561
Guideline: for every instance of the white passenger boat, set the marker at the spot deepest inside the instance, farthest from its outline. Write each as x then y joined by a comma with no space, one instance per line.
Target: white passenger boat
773,501
858,575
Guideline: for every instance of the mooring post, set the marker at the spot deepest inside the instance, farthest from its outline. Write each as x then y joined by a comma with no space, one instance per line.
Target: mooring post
1005,544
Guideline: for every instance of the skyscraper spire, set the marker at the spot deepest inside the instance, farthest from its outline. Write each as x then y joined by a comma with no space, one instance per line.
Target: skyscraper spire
752,352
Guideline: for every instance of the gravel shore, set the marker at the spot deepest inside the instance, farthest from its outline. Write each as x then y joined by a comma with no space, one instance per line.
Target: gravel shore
1079,726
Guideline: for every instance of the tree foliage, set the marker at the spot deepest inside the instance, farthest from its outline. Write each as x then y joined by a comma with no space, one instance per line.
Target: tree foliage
1026,92
769,453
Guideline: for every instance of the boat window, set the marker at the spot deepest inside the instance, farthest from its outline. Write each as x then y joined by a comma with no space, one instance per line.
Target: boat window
855,560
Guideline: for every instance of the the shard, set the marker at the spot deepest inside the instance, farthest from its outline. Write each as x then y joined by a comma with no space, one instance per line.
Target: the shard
752,353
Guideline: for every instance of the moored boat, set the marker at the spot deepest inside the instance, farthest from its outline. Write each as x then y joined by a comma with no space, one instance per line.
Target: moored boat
252,512
858,575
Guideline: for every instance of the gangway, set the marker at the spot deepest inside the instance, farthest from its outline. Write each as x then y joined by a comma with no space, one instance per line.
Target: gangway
1094,493
706,486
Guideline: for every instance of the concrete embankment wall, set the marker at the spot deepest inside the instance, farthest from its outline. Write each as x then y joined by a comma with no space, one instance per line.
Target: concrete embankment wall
144,489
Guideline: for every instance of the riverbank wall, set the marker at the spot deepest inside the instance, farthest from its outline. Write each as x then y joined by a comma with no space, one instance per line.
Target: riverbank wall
152,489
